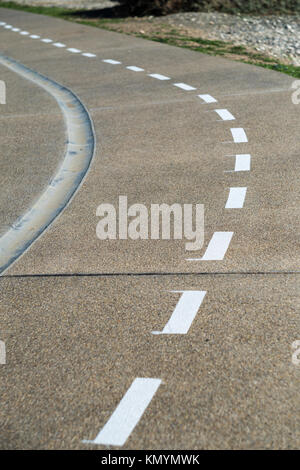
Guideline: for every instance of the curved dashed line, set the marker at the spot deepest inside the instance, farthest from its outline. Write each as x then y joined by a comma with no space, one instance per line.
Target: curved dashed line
238,134
215,250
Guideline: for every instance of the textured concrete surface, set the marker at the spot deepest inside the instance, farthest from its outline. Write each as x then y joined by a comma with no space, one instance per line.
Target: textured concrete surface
75,343
26,163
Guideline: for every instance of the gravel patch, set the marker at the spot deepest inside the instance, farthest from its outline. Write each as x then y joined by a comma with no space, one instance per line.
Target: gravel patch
278,36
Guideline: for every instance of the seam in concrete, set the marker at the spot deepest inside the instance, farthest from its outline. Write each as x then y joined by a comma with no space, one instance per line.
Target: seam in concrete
149,274
67,180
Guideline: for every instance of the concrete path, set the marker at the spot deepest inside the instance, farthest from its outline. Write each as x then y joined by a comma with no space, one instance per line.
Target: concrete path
77,314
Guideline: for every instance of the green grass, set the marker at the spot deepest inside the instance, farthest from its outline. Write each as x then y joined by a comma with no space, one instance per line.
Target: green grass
50,11
172,37
226,49
288,69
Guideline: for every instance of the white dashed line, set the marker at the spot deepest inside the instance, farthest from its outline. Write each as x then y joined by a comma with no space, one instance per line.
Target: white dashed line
217,247
134,68
139,395
208,98
239,135
242,162
236,198
128,413
8,26
225,114
184,86
184,313
2,23
158,76
89,54
111,61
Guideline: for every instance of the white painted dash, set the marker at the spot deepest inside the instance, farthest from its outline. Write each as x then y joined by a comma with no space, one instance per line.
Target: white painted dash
158,76
2,23
217,247
47,40
35,36
242,162
184,86
25,33
134,68
128,413
208,98
239,135
74,50
236,198
58,44
225,115
15,30
184,313
89,54
111,61
8,26
2,353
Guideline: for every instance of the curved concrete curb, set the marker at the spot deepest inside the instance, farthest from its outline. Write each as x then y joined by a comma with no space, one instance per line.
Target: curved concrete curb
79,153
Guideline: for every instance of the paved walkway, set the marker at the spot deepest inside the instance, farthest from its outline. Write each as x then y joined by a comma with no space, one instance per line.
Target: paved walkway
78,314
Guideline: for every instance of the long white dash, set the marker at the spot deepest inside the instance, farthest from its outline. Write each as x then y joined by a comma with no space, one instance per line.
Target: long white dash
15,30
208,98
158,76
24,33
47,40
242,162
184,86
8,26
225,114
111,61
217,247
89,54
184,313
58,44
35,36
236,198
2,23
74,50
128,413
134,68
239,135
